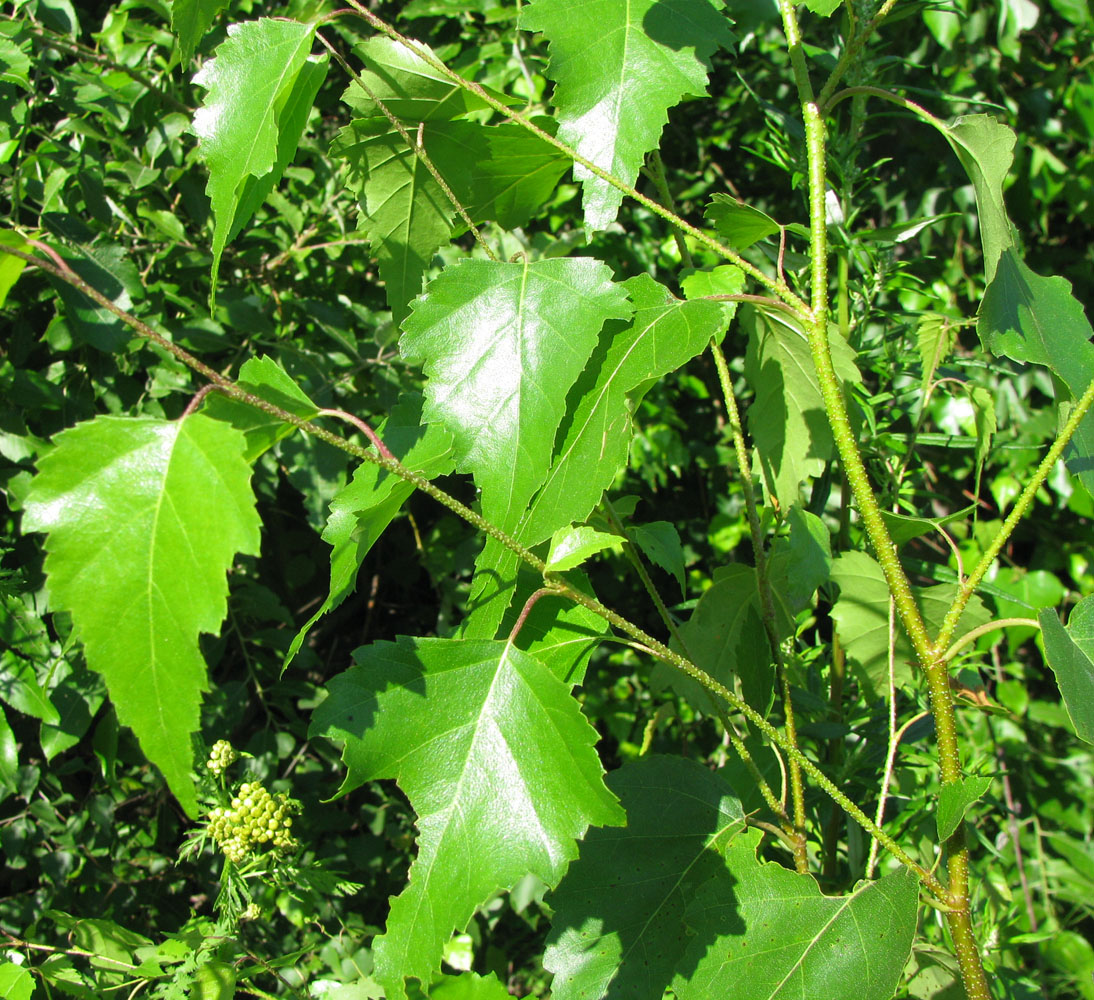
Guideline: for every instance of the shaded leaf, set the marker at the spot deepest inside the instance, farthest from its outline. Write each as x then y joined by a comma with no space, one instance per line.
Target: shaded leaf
450,721
1070,654
261,85
11,267
469,986
660,542
134,553
9,755
801,562
661,48
776,936
361,511
618,928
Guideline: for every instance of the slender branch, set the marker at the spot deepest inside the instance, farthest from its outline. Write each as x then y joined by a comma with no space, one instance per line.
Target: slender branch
697,234
858,40
974,634
1017,512
362,427
767,601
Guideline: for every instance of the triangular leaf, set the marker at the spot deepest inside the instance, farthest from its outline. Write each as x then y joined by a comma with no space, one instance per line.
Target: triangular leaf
190,19
451,722
618,66
502,343
664,334
764,932
260,89
660,543
618,927
570,547
954,801
144,518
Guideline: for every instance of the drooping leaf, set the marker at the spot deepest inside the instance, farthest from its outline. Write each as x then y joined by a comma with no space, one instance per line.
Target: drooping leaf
660,48
1070,654
787,420
144,518
904,527
763,932
862,615
618,928
77,694
190,19
265,378
11,267
800,563
1037,320
24,642
451,722
934,339
261,85
9,755
985,148
739,224
366,506
108,269
501,344
664,334
954,801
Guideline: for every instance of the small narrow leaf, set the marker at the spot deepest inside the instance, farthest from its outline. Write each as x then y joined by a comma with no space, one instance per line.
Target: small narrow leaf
9,755
618,927
1070,654
661,48
763,932
954,801
934,339
11,267
660,542
260,90
452,722
501,345
144,518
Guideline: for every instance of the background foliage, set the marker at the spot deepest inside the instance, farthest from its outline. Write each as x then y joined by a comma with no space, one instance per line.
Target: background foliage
108,152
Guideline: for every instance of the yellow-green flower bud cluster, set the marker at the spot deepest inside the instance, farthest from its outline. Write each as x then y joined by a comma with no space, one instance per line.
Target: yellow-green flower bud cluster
255,822
221,757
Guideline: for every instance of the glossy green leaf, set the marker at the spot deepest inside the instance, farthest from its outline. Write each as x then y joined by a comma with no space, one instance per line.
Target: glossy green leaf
570,547
740,225
451,721
618,927
405,214
16,983
903,527
659,541
261,85
190,19
266,379
1029,318
954,801
862,616
763,932
664,334
501,344
787,419
144,518
368,504
661,48
985,148
1070,654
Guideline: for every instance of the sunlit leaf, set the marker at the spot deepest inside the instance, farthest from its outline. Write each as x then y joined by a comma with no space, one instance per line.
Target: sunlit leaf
144,518
1070,654
451,722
